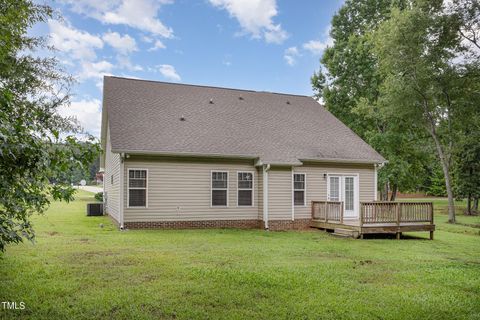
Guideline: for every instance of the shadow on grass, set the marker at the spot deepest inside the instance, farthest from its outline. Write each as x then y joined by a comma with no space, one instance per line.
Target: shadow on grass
392,236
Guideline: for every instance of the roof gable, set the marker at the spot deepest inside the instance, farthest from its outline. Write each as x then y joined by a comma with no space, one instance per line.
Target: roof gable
165,118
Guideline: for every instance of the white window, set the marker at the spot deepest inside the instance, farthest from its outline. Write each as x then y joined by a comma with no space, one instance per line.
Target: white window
299,189
219,188
245,189
137,188
349,193
334,187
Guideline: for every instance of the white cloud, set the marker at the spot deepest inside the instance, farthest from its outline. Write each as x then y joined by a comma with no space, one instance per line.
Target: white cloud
139,14
255,18
157,45
125,63
290,55
169,72
123,44
316,47
95,70
79,44
88,114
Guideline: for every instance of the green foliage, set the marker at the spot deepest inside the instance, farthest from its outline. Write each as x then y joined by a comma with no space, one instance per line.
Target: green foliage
99,196
467,160
349,84
429,76
405,76
435,184
82,271
34,146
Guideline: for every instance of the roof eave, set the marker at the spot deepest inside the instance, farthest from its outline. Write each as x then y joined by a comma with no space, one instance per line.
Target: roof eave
185,154
341,160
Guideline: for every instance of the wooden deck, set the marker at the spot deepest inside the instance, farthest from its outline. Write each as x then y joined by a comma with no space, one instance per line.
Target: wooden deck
375,217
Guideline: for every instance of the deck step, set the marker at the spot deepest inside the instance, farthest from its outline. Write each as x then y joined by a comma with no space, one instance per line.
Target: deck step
346,233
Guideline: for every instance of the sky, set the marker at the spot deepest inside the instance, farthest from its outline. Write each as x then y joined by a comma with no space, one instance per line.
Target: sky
263,45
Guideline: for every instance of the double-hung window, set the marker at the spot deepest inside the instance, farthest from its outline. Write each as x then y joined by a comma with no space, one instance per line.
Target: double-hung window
245,189
137,188
299,189
219,188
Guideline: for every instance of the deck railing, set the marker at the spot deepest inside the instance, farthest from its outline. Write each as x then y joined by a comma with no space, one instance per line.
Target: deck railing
376,212
395,212
328,211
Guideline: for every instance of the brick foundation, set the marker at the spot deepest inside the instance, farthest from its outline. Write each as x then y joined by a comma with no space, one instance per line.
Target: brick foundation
278,225
274,225
209,224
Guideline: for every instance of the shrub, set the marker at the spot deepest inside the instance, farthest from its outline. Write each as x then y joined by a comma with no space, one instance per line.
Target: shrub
99,196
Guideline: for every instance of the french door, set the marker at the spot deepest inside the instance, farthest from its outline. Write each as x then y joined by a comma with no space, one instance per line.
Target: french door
344,188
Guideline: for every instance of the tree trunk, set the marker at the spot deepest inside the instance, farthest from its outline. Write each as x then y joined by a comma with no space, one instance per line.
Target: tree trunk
469,204
475,204
446,173
385,196
394,192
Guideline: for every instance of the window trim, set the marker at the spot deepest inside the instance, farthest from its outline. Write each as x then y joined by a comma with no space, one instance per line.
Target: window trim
252,189
304,190
128,189
212,188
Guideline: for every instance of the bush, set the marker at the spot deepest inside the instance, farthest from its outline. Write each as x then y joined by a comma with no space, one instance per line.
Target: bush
99,196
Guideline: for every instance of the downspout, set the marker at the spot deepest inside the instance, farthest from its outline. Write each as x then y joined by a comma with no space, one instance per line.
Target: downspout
122,189
293,196
266,168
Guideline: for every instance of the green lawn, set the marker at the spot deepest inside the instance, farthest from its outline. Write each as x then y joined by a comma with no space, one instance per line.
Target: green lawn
78,270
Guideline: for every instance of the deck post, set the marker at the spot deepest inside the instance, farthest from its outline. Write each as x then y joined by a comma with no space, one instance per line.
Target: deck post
397,213
362,208
341,212
399,234
312,211
431,235
325,206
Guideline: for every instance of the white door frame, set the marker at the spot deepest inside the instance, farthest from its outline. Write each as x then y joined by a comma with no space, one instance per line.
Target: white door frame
356,195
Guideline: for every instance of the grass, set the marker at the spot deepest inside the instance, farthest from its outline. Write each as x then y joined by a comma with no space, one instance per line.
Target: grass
78,270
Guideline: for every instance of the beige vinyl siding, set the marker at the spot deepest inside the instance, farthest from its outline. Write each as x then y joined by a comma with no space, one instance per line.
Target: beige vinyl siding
179,189
259,192
112,167
317,184
280,193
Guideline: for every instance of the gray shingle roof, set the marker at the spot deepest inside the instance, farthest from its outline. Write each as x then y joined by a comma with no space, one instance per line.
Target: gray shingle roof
145,117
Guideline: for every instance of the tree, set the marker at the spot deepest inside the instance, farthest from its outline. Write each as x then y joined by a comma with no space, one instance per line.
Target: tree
349,85
427,76
36,144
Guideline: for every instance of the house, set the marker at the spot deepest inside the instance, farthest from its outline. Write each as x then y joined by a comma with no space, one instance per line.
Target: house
189,156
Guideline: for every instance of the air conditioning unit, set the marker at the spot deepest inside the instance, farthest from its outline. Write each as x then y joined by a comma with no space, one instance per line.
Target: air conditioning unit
94,209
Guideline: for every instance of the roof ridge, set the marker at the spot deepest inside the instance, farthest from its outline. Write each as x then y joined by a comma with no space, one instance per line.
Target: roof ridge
206,86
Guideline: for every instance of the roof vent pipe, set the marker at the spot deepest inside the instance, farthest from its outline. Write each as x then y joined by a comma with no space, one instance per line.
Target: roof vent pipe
211,101
182,118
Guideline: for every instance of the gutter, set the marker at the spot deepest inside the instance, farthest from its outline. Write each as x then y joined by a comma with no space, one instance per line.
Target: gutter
185,154
339,160
266,168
